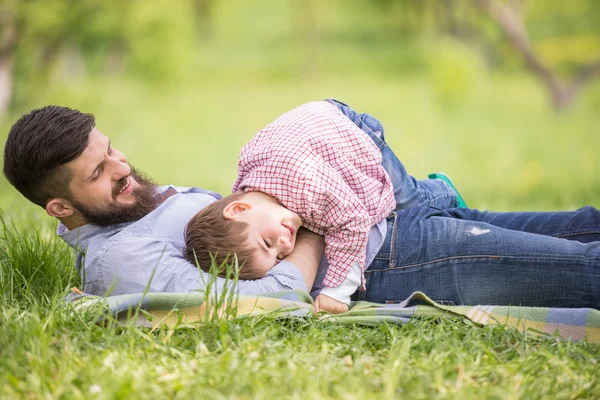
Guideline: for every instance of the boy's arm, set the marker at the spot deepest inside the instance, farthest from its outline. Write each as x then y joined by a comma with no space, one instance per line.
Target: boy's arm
345,220
336,299
343,292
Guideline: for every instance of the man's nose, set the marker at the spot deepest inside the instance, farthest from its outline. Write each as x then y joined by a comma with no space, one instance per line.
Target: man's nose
120,169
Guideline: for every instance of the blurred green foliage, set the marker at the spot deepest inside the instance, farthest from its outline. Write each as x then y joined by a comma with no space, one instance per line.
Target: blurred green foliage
181,86
160,41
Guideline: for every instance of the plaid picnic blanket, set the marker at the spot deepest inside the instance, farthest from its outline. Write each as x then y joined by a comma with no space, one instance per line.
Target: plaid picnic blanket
181,309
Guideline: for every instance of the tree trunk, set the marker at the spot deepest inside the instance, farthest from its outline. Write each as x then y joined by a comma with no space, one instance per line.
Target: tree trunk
511,22
306,32
8,44
204,18
5,83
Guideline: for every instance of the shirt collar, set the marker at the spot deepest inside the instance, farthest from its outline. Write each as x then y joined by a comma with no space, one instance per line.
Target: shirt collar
79,238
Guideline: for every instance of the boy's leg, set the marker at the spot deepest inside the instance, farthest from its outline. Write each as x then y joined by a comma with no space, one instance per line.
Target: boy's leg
582,225
471,262
408,191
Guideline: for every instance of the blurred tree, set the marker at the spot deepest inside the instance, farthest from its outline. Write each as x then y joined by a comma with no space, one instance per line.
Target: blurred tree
510,18
9,38
203,11
155,40
151,40
559,42
305,29
34,33
159,37
455,18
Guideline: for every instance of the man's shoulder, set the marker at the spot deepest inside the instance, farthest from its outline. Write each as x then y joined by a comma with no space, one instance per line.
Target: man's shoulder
163,226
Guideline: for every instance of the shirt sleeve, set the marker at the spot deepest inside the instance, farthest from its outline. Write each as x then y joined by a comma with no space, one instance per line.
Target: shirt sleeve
343,292
313,187
132,265
336,207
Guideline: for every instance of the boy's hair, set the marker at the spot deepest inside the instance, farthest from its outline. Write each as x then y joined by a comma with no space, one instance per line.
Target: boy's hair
39,145
210,237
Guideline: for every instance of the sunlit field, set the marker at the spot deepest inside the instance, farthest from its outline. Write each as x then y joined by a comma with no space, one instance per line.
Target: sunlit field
504,148
502,155
180,99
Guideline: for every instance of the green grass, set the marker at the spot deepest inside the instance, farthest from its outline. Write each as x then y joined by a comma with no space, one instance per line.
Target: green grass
49,353
500,143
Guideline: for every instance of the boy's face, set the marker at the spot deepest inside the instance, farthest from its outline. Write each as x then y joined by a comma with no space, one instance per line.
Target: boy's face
272,230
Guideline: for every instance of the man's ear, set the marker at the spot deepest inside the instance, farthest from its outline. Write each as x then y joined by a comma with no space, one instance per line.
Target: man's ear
59,208
235,208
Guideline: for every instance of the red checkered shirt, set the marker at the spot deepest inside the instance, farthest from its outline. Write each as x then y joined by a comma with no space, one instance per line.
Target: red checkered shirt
319,164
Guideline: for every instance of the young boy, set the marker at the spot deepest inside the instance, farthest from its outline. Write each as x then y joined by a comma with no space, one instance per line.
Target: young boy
311,167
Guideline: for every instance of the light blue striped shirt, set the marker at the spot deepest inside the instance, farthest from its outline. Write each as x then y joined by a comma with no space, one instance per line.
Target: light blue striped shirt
127,258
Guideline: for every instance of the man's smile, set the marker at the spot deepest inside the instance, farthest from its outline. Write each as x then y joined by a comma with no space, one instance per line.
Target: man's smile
127,187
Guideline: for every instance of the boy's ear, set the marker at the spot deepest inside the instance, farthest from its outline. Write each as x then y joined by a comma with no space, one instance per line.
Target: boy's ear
59,208
235,208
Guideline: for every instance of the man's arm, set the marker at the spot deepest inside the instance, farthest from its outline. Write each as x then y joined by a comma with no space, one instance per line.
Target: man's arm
126,266
307,254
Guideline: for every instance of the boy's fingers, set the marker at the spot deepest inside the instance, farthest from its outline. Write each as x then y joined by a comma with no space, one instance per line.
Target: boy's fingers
326,303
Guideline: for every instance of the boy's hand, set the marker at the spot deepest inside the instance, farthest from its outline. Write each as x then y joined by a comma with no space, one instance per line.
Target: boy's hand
326,303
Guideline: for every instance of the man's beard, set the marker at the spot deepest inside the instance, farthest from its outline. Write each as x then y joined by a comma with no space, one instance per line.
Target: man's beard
146,200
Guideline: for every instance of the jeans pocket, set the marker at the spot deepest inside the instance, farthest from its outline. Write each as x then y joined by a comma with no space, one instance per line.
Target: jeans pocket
437,194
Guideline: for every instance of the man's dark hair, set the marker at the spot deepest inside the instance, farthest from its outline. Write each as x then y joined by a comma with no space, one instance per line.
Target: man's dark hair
39,145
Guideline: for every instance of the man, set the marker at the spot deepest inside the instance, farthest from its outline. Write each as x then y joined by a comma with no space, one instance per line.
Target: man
132,232
128,233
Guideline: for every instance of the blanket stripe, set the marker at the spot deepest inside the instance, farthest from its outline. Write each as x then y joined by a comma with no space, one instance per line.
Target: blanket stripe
180,309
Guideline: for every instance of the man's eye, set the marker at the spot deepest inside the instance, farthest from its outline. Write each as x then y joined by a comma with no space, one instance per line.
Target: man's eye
96,175
109,150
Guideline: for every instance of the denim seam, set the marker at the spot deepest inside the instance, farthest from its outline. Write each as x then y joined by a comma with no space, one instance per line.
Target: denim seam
574,233
442,302
393,243
464,257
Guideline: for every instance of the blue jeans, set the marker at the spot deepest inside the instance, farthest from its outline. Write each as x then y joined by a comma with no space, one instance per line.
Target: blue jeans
465,256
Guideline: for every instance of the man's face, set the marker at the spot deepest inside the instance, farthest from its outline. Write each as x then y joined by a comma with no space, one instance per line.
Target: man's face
105,189
272,230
